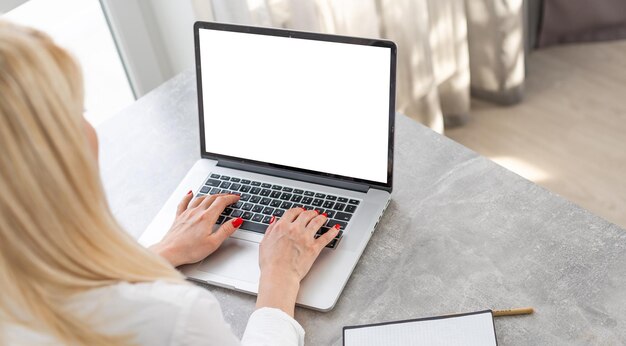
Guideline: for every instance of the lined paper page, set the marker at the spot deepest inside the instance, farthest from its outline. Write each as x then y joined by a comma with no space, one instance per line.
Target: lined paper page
466,330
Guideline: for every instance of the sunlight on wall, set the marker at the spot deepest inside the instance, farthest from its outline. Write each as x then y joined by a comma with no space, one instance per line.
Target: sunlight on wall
522,168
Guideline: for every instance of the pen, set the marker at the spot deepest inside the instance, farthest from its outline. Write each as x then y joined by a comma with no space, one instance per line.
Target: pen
512,312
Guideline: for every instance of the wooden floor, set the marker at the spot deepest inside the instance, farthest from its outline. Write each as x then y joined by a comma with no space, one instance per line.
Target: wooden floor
569,133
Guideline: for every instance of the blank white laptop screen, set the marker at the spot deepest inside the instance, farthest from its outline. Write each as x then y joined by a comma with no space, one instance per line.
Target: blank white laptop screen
308,104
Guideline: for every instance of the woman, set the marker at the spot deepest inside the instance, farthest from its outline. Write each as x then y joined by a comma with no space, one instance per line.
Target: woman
69,274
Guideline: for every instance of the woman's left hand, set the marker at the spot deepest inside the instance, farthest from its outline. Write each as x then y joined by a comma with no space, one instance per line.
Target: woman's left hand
191,237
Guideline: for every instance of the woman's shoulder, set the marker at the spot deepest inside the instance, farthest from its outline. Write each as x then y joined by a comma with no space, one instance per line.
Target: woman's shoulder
157,294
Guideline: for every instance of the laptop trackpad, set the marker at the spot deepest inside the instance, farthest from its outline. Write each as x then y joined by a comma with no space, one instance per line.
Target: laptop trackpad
237,259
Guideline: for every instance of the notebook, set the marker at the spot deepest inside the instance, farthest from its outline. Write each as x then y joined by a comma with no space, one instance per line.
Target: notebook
469,329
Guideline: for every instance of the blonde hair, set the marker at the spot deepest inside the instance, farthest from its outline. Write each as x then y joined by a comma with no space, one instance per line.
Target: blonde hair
57,234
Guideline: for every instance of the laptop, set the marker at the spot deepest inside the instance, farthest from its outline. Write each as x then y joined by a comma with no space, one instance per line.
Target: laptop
290,119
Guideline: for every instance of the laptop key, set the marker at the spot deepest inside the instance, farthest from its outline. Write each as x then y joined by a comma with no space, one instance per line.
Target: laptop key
286,205
279,212
267,219
257,218
223,177
235,180
317,202
247,215
215,176
225,185
245,188
307,200
255,183
224,191
298,206
255,199
215,191
276,203
342,199
275,194
309,193
298,191
247,206
205,189
227,211
333,243
235,187
331,198
237,205
330,213
354,201
220,219
350,208
266,185
236,213
265,192
265,201
245,181
320,195
253,226
287,189
213,182
343,216
296,198
328,204
333,222
339,206
257,208
255,190
268,211
276,187
244,197
285,196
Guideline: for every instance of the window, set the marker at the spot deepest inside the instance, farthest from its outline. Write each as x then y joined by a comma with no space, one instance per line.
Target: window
81,28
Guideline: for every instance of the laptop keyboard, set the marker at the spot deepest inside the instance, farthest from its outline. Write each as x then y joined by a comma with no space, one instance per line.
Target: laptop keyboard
259,201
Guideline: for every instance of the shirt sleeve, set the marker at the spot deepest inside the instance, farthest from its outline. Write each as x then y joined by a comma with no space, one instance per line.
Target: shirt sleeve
202,323
268,326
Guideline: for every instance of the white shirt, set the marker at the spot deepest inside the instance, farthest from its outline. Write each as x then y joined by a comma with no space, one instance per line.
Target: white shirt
160,313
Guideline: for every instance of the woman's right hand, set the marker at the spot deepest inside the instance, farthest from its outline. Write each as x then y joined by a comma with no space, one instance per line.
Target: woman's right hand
287,253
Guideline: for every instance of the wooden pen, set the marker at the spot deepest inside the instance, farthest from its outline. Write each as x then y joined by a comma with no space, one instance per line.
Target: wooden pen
512,312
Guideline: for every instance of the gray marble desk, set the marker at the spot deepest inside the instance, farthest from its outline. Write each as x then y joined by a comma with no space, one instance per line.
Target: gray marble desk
461,234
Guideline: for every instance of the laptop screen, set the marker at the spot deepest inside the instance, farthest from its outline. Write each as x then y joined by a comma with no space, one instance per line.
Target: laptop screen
309,104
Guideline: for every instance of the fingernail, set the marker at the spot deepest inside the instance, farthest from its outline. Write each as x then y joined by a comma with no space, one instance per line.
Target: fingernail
189,193
303,208
237,222
316,211
272,219
336,226
324,215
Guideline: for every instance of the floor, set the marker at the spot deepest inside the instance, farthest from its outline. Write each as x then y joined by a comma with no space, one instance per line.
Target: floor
569,133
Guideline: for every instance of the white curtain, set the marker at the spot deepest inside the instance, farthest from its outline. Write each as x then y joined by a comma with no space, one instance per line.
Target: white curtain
433,81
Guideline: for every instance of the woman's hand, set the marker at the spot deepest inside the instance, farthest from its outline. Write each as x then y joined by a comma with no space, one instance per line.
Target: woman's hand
286,255
191,237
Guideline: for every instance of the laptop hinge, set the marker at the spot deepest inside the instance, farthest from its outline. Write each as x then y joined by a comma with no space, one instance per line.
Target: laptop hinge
310,178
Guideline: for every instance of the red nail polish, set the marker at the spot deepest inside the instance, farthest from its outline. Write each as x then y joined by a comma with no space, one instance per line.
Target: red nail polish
272,219
237,222
189,193
324,215
303,208
336,226
316,211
